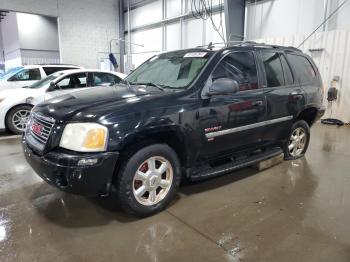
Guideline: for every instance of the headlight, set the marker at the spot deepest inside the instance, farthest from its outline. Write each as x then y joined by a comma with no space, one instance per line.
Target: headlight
84,137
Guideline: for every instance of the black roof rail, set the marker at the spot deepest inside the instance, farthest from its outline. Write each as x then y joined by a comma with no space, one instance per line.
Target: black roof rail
228,44
255,44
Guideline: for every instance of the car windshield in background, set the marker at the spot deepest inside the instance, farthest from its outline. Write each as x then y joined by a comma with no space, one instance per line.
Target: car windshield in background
11,72
43,82
174,70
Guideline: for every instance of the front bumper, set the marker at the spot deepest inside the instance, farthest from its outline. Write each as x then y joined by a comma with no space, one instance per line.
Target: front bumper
60,169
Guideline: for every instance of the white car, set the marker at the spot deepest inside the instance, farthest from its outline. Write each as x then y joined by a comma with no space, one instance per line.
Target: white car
16,104
29,74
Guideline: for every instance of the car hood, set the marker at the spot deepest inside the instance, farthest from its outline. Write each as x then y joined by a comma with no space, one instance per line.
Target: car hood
93,103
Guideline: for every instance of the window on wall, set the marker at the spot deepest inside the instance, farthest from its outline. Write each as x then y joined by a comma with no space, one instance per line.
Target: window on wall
305,73
169,34
173,8
146,14
273,69
241,67
210,34
193,33
173,39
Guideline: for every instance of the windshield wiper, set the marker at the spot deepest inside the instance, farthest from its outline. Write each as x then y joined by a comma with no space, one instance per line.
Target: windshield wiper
149,84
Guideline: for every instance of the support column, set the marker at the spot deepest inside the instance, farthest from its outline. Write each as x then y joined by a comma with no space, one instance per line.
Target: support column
121,35
234,19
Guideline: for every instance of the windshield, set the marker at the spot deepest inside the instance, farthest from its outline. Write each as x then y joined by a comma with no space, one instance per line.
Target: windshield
174,70
45,81
11,72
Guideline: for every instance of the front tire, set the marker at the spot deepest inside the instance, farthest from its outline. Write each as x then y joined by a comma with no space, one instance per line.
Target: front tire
298,141
148,180
17,118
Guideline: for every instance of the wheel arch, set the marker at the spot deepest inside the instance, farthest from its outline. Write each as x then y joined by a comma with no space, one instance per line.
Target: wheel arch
308,115
171,136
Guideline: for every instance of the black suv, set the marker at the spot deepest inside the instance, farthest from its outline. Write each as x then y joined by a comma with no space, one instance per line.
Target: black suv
188,114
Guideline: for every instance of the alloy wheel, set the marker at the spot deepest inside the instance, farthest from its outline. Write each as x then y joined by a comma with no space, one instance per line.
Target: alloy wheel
297,142
20,119
152,180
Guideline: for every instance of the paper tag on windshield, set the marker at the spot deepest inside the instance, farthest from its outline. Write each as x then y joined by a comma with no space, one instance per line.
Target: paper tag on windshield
195,54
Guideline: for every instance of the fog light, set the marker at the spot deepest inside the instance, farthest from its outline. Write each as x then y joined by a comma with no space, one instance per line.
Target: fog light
87,161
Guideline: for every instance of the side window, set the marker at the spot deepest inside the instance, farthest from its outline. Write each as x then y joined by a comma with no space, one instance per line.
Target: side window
273,69
50,69
27,75
104,79
239,66
302,67
288,76
73,81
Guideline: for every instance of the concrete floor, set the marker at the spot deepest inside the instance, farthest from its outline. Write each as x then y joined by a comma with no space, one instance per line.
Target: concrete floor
296,211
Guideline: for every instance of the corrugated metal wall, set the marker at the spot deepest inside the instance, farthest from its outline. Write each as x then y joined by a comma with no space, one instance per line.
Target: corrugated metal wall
333,60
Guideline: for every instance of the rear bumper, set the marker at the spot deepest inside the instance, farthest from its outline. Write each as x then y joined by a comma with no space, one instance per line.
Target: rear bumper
61,169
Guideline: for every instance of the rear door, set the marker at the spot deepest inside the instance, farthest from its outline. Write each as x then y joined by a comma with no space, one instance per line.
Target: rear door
284,95
233,122
308,78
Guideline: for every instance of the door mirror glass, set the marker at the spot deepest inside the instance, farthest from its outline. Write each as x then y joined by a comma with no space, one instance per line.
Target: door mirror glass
224,86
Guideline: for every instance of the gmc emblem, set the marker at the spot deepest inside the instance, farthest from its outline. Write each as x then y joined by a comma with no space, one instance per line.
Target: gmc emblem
37,129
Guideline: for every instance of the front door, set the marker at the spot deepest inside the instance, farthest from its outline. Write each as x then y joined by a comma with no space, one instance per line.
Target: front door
69,84
233,122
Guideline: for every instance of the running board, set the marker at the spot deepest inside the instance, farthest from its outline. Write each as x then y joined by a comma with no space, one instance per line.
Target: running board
232,166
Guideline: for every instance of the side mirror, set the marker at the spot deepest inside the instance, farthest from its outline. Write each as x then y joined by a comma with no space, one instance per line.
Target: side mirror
52,87
223,86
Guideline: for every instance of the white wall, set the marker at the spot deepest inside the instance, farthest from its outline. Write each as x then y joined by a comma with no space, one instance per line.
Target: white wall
11,46
289,17
85,26
289,22
333,60
42,27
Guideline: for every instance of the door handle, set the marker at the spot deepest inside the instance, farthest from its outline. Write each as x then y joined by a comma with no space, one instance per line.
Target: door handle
257,103
296,96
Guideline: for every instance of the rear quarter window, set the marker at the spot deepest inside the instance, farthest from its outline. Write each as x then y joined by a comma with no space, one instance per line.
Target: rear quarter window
302,67
50,70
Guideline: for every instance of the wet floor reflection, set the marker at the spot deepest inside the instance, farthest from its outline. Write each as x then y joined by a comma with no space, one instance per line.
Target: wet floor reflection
296,211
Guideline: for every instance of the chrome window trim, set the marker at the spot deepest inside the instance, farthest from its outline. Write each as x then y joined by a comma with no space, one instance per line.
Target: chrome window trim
246,127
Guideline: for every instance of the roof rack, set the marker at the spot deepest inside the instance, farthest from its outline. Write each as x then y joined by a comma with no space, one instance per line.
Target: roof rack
246,43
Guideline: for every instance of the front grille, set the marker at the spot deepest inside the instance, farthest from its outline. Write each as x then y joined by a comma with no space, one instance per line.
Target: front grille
44,124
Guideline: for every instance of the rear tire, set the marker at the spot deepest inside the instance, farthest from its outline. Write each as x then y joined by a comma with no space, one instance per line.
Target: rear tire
298,141
148,180
17,118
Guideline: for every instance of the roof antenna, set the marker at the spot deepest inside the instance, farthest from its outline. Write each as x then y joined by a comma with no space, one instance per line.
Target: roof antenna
210,46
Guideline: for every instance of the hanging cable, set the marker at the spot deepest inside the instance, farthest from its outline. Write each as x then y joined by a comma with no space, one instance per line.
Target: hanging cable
313,32
203,9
